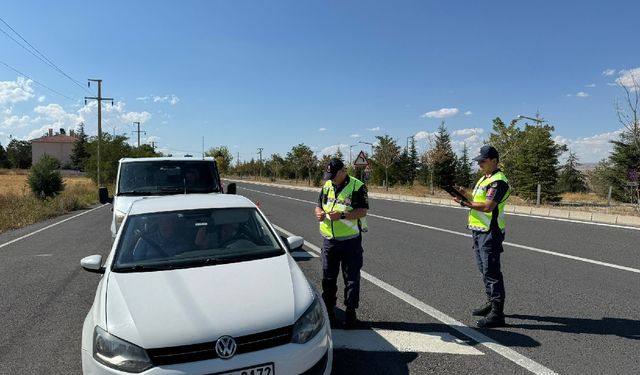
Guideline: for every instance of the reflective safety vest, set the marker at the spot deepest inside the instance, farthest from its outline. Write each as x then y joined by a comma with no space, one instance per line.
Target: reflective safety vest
481,221
342,229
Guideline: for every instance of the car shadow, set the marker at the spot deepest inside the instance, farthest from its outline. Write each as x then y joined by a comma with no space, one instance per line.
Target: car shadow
625,328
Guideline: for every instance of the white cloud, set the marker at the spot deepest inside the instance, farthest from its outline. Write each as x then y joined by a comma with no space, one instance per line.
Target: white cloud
473,143
629,79
608,72
15,91
590,85
591,149
467,132
355,136
42,98
331,150
130,117
441,113
322,129
468,113
15,122
582,94
171,99
376,129
423,135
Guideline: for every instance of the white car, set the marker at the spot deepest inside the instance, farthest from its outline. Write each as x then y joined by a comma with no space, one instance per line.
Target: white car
201,284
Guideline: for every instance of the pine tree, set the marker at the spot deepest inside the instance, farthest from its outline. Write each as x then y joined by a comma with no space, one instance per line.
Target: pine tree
536,163
80,152
463,169
4,162
443,159
571,179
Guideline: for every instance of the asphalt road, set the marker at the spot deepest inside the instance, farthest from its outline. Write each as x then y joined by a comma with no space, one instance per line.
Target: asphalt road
573,303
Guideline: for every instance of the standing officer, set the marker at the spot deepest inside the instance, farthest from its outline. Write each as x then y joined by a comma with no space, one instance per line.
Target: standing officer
486,220
342,207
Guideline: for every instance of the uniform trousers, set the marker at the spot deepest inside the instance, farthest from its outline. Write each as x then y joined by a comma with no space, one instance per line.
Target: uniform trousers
347,255
488,247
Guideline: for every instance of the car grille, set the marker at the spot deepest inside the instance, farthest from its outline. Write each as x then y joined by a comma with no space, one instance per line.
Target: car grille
204,351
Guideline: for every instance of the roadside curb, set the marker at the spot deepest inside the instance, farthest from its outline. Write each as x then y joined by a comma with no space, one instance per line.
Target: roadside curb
589,217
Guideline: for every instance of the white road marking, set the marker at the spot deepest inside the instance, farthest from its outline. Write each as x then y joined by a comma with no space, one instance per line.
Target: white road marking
524,247
481,339
455,207
44,255
382,340
48,226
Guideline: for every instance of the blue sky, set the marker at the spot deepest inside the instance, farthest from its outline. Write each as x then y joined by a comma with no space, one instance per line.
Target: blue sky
272,74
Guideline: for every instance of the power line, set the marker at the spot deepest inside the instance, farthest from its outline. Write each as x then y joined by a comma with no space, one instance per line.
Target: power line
41,84
42,57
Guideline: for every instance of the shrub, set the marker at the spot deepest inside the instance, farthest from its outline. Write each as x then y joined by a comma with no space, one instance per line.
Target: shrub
45,179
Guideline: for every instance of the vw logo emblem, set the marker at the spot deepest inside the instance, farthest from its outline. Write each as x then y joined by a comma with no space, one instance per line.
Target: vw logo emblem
226,347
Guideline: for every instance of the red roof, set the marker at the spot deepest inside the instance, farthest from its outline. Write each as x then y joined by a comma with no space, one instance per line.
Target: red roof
58,138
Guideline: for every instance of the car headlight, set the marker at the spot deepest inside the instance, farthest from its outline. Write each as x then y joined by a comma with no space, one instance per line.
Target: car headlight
117,353
309,323
119,218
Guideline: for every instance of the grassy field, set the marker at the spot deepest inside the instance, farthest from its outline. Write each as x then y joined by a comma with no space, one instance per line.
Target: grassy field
18,206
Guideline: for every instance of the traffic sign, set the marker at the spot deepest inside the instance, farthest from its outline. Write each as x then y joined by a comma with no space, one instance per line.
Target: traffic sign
361,160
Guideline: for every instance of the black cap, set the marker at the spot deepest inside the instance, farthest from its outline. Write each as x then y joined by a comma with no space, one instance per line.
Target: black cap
332,168
487,152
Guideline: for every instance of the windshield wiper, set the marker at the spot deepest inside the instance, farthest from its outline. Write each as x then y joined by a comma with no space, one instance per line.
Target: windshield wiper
143,268
137,192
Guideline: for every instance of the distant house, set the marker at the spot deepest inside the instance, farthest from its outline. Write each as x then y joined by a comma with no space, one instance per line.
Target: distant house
57,145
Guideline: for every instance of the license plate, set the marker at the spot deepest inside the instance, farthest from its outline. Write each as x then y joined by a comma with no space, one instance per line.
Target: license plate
264,369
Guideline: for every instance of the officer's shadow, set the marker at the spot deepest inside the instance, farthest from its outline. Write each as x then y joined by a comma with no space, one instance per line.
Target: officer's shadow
389,360
625,328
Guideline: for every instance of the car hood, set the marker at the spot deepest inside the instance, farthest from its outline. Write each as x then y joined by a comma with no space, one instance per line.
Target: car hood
194,305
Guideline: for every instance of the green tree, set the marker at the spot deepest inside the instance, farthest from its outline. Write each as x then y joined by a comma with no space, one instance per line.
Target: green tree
463,169
571,179
537,163
45,179
4,162
144,151
506,140
80,152
443,159
300,160
223,158
112,149
623,161
386,153
19,154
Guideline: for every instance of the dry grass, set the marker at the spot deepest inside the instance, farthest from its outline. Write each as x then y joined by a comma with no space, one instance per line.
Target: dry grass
18,206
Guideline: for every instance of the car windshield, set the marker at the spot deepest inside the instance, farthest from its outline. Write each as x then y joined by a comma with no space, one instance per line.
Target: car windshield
167,177
193,238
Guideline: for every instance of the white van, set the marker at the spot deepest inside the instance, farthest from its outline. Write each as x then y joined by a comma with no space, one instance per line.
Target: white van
140,178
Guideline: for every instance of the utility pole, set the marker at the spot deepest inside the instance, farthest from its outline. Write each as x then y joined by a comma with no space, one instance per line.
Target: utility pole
153,145
238,159
138,131
99,98
260,152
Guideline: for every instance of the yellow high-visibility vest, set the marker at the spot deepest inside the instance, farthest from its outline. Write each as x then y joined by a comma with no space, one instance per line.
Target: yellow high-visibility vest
481,221
342,229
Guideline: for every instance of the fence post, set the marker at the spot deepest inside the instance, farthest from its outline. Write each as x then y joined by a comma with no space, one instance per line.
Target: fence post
609,196
538,198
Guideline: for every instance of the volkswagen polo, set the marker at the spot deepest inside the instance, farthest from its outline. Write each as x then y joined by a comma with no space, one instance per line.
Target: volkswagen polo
201,284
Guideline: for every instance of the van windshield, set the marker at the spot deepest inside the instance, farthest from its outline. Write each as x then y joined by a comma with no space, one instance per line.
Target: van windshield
167,177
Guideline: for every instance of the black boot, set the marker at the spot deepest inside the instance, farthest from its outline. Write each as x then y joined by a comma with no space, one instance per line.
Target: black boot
483,310
351,319
495,318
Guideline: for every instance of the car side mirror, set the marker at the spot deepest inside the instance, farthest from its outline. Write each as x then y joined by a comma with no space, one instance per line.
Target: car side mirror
231,188
92,263
103,195
295,243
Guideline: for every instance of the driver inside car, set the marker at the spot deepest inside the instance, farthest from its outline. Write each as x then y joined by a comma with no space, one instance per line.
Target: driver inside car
163,242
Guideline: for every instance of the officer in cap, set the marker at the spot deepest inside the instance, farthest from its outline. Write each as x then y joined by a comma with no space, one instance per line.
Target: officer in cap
486,221
341,210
